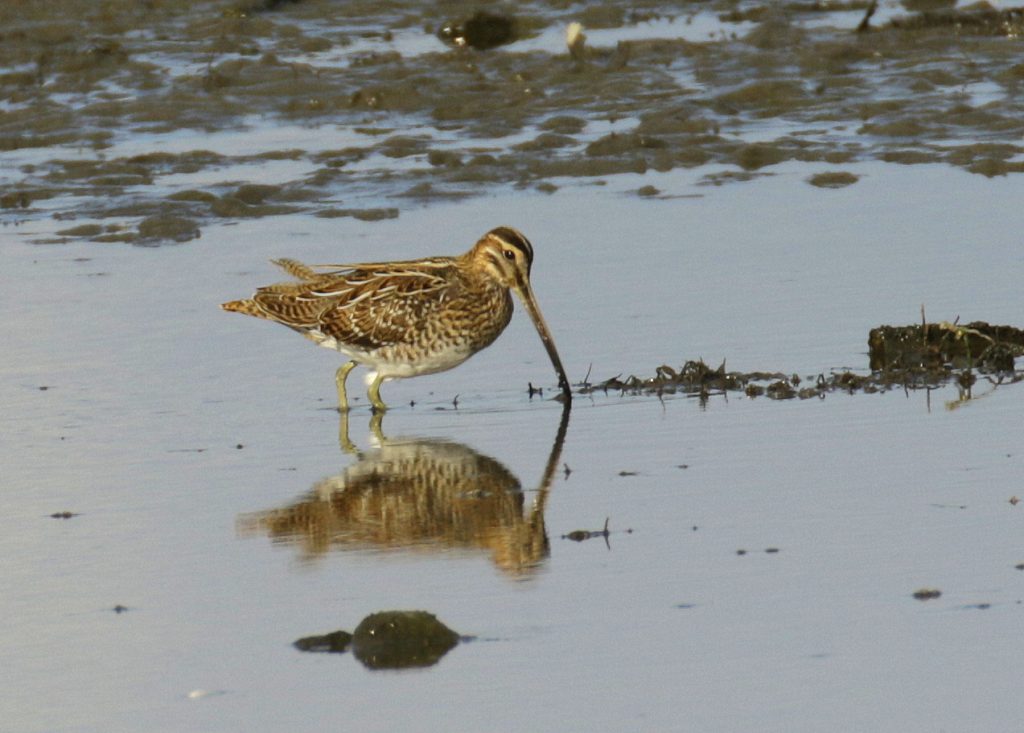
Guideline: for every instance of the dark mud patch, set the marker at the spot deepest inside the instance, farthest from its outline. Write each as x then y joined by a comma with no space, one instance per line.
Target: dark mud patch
171,228
935,346
926,356
977,19
361,214
417,121
833,179
389,640
483,30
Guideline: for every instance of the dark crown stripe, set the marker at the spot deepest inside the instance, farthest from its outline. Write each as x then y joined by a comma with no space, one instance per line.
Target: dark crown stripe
514,238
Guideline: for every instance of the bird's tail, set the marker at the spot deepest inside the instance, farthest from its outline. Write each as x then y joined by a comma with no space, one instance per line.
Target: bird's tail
246,306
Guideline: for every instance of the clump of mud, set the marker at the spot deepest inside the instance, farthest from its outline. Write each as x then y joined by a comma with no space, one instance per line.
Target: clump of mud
483,30
937,346
924,356
833,179
389,640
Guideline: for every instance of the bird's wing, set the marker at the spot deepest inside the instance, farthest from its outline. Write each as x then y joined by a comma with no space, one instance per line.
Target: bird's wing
368,305
388,304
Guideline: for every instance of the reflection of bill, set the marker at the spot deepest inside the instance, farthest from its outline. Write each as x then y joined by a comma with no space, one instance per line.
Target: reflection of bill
419,494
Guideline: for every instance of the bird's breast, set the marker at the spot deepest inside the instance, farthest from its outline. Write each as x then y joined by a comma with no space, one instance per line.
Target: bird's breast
435,337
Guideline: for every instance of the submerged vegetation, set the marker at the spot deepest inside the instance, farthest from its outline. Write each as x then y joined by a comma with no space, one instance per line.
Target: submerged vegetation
925,356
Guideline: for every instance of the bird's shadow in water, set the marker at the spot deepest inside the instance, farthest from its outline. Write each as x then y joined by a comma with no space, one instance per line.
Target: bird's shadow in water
422,494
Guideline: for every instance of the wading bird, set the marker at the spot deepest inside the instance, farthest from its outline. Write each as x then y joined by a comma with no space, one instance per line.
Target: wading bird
407,318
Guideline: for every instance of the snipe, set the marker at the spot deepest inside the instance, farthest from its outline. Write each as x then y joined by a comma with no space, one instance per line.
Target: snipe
408,318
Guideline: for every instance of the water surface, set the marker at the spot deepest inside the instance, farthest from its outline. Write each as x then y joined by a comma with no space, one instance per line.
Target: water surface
762,554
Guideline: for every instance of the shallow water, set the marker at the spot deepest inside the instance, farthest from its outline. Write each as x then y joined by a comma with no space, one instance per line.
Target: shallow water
869,498
167,426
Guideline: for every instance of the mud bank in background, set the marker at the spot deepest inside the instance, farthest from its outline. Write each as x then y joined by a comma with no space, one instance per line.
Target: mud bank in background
150,120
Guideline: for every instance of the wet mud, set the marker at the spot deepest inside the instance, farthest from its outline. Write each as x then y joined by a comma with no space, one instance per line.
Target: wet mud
389,640
482,30
924,356
980,19
392,116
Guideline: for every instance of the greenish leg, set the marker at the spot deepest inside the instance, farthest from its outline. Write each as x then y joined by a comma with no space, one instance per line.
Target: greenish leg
339,377
347,446
378,403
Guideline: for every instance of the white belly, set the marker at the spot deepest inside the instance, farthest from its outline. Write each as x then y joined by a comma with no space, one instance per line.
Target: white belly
397,362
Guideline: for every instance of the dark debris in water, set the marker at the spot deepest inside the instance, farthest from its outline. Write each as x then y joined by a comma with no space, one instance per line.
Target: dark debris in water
483,30
581,535
901,357
334,642
937,346
389,640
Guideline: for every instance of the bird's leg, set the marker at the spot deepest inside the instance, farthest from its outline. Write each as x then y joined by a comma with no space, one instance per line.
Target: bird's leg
347,446
340,376
374,392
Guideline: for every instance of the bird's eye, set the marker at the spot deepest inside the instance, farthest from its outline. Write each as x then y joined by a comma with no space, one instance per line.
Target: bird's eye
509,254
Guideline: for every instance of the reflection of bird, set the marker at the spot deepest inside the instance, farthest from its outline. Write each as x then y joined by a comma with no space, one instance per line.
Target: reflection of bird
415,494
404,319
420,494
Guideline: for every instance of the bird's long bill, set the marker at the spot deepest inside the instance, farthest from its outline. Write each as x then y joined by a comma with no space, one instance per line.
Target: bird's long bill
525,293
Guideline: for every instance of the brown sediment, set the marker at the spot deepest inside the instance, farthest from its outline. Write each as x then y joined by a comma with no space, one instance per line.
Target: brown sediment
361,214
981,18
833,179
79,82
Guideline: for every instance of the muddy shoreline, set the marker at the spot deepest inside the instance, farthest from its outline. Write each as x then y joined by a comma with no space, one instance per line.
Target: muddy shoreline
387,116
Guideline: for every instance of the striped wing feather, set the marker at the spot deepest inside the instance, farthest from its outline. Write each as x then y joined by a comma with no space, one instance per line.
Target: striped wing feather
368,305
